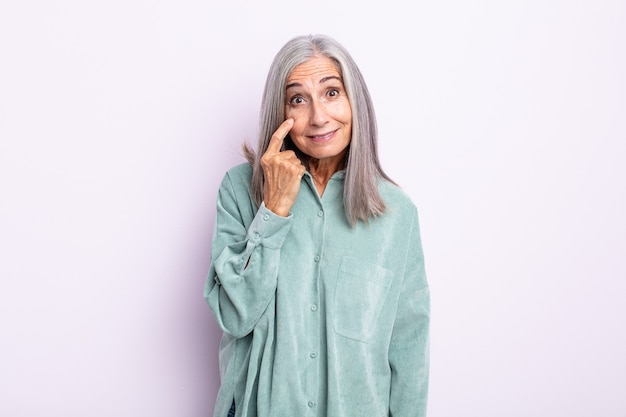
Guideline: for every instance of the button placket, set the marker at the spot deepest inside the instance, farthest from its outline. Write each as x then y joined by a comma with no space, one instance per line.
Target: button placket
314,355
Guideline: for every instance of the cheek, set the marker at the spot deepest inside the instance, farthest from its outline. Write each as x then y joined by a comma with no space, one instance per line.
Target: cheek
299,122
296,115
343,112
297,130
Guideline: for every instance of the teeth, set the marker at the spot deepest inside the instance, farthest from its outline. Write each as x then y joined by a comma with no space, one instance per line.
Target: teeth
322,136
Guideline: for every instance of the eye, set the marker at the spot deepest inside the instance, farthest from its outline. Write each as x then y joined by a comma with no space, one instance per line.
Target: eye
296,100
333,92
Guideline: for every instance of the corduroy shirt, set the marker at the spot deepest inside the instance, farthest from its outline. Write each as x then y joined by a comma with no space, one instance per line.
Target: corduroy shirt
319,318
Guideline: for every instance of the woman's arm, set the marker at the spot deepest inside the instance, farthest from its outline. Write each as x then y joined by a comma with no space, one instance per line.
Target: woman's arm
244,263
409,348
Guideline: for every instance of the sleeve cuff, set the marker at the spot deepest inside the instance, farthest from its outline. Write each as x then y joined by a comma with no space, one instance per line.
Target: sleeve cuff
269,229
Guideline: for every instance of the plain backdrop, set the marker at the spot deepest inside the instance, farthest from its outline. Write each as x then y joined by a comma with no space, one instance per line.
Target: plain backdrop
505,121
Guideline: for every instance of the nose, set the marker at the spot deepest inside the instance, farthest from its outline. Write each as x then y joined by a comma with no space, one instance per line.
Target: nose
319,114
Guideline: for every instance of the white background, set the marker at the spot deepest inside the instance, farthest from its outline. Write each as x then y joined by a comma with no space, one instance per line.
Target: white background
504,121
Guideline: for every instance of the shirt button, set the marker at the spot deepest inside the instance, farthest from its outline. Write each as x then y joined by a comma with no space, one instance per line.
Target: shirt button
320,213
266,217
313,307
311,404
256,236
313,355
317,258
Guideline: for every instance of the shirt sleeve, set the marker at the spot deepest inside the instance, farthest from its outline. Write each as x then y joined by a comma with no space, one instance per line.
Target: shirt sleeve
409,347
244,263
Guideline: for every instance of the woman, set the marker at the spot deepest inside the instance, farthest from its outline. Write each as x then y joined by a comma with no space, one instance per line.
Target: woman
317,275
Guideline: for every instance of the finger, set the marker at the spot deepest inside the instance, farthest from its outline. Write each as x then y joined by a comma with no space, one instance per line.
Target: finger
277,138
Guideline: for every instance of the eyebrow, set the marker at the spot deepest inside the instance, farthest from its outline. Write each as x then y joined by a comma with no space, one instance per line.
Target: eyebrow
323,80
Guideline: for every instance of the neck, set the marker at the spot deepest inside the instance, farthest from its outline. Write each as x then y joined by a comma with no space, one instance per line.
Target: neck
322,169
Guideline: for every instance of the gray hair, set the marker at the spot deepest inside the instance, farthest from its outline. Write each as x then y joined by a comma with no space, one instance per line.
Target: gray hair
362,167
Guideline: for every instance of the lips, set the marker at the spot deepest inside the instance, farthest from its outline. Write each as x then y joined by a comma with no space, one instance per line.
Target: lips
325,137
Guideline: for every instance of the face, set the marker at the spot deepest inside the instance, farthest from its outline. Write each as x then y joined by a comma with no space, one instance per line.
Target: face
317,102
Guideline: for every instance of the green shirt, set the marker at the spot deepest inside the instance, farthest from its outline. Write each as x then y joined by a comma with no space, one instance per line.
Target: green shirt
319,318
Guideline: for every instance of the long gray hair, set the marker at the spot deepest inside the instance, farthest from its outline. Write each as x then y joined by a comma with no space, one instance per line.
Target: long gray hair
362,167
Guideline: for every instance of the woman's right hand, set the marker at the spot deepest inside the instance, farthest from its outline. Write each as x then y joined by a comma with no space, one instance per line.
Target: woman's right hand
283,173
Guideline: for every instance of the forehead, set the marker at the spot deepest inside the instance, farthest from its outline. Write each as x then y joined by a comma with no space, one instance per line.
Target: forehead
316,67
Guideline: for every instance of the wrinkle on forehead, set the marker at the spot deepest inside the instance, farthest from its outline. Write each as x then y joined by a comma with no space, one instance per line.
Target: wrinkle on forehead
318,68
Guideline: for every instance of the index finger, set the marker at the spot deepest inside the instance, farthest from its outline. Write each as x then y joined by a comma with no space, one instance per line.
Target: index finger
278,136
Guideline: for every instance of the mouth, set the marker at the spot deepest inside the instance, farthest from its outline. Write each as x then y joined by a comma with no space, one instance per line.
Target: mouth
324,137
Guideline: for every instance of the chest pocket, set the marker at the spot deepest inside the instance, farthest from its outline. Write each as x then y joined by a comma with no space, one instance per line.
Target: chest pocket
360,295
